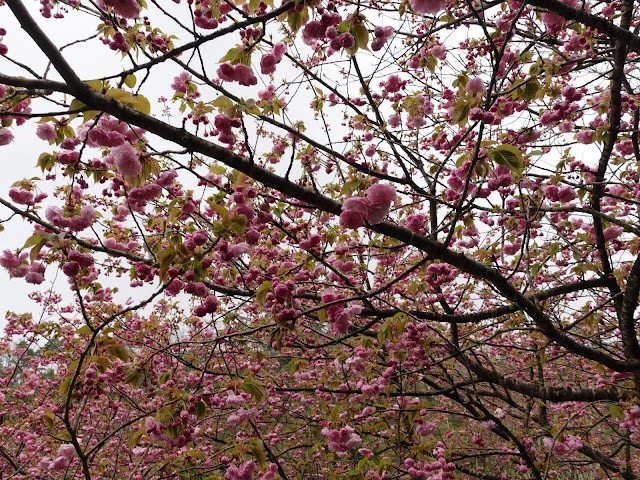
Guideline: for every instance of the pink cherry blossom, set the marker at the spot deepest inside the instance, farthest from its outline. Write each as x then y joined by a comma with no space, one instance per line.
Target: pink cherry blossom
427,6
243,472
21,196
553,22
124,8
45,131
127,160
341,440
382,36
6,137
237,73
476,86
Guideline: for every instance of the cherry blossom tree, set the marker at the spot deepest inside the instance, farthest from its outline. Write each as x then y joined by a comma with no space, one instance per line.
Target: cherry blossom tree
323,239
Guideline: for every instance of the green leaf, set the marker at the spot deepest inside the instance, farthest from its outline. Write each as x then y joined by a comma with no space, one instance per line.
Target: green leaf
64,386
201,409
261,293
509,156
133,377
529,90
296,19
130,81
135,437
220,210
218,170
33,255
142,105
431,63
76,104
460,112
232,55
361,36
615,411
32,240
121,96
84,330
256,446
95,84
90,115
165,257
119,351
222,103
48,418
255,388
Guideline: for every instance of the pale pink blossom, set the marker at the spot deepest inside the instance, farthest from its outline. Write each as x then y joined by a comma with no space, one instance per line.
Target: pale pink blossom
234,400
425,429
565,447
341,440
394,121
439,52
373,208
239,249
127,160
612,232
242,416
46,132
244,472
476,86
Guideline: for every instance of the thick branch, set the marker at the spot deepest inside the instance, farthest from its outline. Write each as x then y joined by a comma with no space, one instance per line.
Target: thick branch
590,20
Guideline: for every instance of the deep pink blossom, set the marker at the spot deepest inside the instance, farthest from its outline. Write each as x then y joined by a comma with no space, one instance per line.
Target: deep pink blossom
206,23
427,6
124,8
553,22
382,36
6,137
181,82
268,64
351,219
237,73
21,196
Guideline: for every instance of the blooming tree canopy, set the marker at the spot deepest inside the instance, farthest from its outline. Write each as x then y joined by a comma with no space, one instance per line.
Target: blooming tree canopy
323,239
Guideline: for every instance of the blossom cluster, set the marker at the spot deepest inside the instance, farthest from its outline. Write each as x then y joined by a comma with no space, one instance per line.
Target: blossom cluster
237,73
18,266
224,123
75,223
373,207
124,8
269,60
382,35
341,440
319,29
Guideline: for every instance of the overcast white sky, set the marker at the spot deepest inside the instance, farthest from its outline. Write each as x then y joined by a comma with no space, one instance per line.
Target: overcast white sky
20,157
